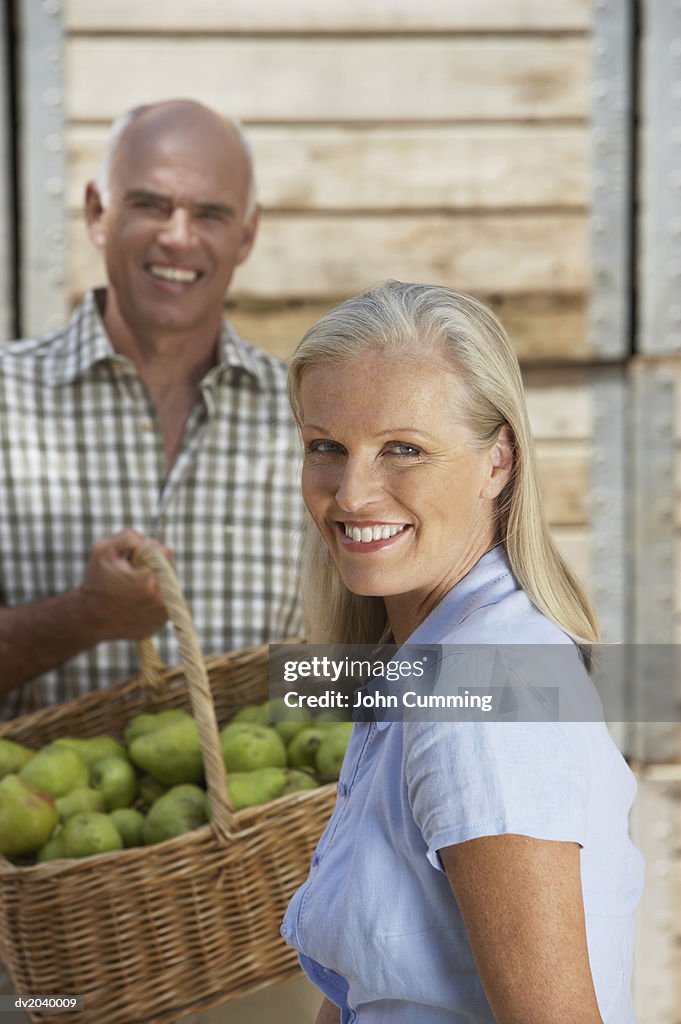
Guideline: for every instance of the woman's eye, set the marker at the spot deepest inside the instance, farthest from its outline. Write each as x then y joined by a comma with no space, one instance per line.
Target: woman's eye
321,447
405,450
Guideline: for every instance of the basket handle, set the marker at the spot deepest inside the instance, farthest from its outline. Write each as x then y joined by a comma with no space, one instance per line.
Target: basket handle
203,708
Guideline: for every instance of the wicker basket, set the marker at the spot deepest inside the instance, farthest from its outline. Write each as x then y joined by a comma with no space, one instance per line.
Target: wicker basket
151,934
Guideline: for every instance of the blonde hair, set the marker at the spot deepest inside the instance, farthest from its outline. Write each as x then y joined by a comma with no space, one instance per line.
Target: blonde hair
402,318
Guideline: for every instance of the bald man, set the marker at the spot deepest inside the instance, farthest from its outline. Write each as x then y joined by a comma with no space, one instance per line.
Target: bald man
146,417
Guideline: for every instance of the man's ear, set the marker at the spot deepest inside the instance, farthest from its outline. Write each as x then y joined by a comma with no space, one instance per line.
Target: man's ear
248,233
501,463
94,214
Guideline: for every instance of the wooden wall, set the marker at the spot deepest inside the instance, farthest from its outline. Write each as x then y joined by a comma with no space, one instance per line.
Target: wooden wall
443,141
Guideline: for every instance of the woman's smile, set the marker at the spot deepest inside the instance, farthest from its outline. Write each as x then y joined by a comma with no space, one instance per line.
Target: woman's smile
364,537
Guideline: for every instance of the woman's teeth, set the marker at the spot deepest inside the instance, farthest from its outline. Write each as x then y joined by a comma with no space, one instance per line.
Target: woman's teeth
370,533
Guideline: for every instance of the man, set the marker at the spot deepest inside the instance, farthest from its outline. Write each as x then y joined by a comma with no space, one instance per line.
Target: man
147,416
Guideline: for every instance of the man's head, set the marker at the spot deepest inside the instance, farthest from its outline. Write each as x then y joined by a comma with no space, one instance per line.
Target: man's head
173,209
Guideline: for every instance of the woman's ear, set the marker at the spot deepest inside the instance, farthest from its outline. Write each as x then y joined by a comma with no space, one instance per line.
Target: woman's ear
501,463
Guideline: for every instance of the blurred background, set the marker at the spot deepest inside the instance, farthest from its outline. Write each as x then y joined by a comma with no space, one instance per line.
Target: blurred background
523,150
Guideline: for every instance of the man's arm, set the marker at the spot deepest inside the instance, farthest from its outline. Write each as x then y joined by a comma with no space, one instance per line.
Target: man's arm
328,1013
115,601
521,901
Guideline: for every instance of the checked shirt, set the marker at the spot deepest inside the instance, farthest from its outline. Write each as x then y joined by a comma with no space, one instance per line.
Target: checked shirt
82,457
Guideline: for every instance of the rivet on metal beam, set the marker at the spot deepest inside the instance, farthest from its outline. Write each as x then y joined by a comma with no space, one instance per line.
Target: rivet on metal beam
55,276
52,97
52,7
54,186
53,142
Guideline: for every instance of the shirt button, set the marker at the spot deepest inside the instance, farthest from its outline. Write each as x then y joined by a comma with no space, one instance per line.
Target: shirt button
283,931
342,789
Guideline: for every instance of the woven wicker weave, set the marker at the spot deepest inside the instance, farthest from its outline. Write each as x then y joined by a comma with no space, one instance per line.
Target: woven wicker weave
150,934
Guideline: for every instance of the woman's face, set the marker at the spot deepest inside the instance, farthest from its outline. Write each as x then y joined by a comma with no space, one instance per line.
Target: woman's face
402,499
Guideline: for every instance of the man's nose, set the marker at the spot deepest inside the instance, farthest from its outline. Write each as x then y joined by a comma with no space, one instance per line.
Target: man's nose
178,229
358,486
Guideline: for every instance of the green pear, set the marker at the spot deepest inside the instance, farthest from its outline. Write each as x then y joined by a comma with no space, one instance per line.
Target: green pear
55,770
171,753
150,789
257,746
52,850
331,751
298,779
81,799
253,714
246,789
143,724
182,809
330,717
116,780
93,749
87,833
27,817
129,825
288,722
13,757
303,748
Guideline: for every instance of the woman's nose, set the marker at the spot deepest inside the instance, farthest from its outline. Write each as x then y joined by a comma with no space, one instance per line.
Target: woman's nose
358,486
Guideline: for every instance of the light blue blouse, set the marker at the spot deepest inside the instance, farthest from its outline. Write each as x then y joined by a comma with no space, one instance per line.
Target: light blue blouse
376,925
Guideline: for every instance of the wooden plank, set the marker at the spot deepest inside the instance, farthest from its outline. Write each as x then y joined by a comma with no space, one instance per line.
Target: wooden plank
320,256
325,257
565,475
541,327
327,16
341,80
455,168
574,544
560,404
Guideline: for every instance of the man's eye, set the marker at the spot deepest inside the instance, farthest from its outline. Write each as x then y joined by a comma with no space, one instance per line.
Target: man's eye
149,205
217,215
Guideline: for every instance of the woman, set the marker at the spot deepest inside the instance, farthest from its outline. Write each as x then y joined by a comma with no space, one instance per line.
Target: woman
477,872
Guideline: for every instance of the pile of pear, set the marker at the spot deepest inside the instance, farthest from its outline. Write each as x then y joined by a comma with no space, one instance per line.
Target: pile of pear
80,797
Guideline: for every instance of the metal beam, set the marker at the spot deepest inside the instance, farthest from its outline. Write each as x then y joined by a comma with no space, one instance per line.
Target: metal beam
652,560
660,194
44,302
610,313
7,256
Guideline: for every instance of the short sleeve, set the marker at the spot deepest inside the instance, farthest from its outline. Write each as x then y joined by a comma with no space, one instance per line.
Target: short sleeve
475,778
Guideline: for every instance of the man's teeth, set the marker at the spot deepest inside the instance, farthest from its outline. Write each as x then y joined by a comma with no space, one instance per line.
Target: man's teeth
369,533
175,274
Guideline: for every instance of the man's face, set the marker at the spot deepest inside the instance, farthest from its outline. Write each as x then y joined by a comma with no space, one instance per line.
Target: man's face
174,228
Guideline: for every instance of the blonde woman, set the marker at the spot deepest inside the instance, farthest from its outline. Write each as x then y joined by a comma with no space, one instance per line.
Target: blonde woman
476,872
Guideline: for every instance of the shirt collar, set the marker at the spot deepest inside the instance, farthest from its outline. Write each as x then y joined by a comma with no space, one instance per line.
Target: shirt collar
478,587
84,343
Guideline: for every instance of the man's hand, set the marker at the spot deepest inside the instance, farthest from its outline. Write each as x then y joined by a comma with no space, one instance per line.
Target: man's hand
121,601
115,601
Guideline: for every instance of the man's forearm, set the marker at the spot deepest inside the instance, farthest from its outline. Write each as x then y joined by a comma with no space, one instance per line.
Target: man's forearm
35,637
